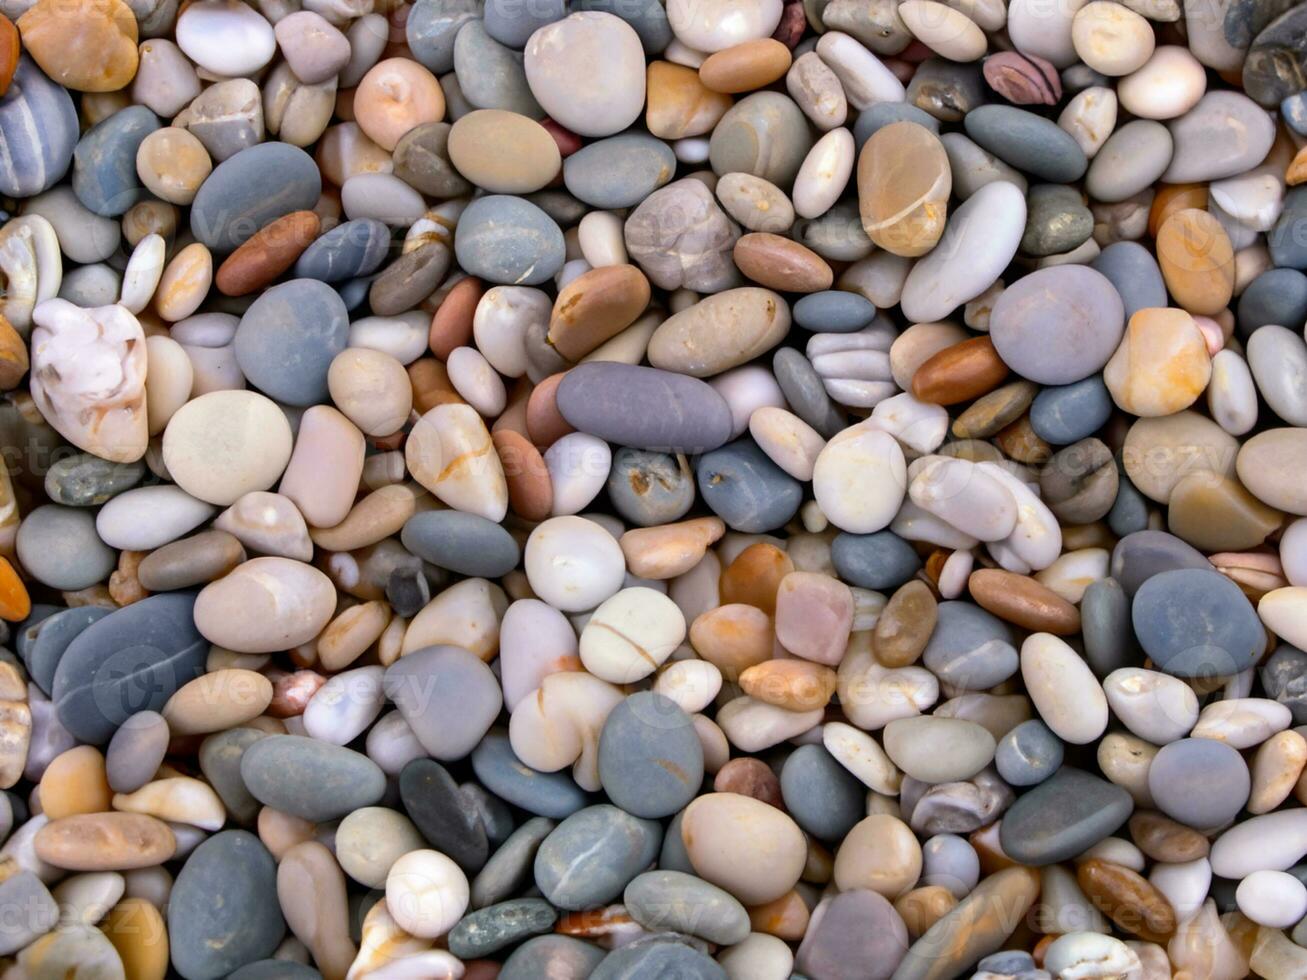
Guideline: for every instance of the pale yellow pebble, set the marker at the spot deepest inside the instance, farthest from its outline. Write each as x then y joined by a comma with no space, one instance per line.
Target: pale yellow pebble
178,799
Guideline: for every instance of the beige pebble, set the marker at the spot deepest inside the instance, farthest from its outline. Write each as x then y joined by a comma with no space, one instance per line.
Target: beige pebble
168,380
630,635
450,453
217,701
372,389
1276,767
264,605
323,474
225,444
269,524
669,550
172,164
177,799
751,849
184,283
880,853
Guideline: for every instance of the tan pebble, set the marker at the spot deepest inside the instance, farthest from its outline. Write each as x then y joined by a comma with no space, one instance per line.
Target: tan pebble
1162,365
217,701
371,388
13,356
75,782
465,615
191,561
351,633
1164,839
1297,172
733,638
904,183
905,625
280,831
311,892
269,524
137,931
752,850
105,842
880,853
781,263
172,164
785,918
322,477
671,549
266,604
1276,768
1217,513
374,518
922,907
86,45
1196,258
680,105
796,685
397,95
185,283
177,799
745,67
503,152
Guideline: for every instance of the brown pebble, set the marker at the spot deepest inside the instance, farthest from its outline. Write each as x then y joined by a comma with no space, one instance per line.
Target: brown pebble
530,491
191,561
1197,261
124,586
679,104
785,917
291,692
10,49
544,422
1164,839
905,625
451,324
997,410
1128,899
794,21
13,352
733,637
782,264
75,782
796,685
922,907
1020,442
749,777
1024,79
960,373
1021,600
431,385
1171,198
754,576
746,67
86,45
595,306
267,254
105,842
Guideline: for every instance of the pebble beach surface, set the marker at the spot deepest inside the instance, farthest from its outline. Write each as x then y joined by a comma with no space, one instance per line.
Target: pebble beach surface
653,490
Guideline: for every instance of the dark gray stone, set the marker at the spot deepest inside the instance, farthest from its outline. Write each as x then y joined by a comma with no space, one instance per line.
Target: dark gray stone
352,248
619,172
104,162
947,90
658,957
136,750
1138,557
644,408
506,239
314,780
409,280
1109,638
509,868
741,485
422,155
877,561
1277,296
823,797
970,648
1201,782
1028,142
1062,817
1276,65
547,794
1079,483
443,814
1028,754
674,856
1129,512
592,856
1064,414
38,132
1284,675
251,189
288,338
48,641
880,114
497,927
223,912
650,757
275,970
132,660
495,814
805,393
463,543
1195,622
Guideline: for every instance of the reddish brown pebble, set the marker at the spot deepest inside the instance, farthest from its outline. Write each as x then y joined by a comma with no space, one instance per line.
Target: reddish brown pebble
793,22
270,252
10,49
544,422
451,326
431,385
1021,600
749,777
291,692
1128,899
530,492
960,373
782,264
1025,79
1164,839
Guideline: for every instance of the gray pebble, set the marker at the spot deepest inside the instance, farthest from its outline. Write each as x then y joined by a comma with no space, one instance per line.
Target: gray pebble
970,648
1062,817
288,338
508,240
947,90
674,856
104,164
1079,483
511,22
1133,157
1284,675
837,235
311,779
1138,557
91,285
1276,64
834,311
275,969
650,757
220,761
38,132
352,248
1028,142
741,485
48,640
547,794
1201,782
422,157
880,114
509,868
680,237
463,543
135,751
448,696
855,935
764,134
619,172
951,862
58,547
560,957
1028,754
657,957
32,911
1287,243
973,166
443,814
684,903
592,856
1130,511
877,561
491,75
823,797
649,488
252,189
433,25
497,927
647,17
1132,269
1057,220
1195,622
1276,296
495,814
1293,110
1105,623
1225,134
1064,414
409,280
961,807
227,118
805,392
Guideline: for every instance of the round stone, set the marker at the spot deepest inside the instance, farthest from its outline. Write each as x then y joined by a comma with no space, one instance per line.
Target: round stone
1196,623
749,848
225,444
251,189
1200,782
743,487
464,543
1028,754
288,338
859,926
877,561
265,604
1224,134
650,488
593,855
508,240
612,48
59,547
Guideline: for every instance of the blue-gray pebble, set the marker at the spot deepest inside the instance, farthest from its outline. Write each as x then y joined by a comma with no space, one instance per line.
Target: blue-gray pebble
353,248
288,337
547,794
223,911
1201,782
1109,638
247,191
1028,142
509,868
48,643
881,560
650,757
1129,513
497,927
834,311
619,172
805,392
132,660
658,957
104,163
1062,817
1135,274
490,74
505,239
648,488
1139,556
38,131
58,546
1195,622
1286,241
647,17
1284,675
1028,754
220,761
511,22
432,27
970,648
552,956
463,543
84,480
1065,414
309,778
823,797
686,904
1276,296
741,485
275,970
593,855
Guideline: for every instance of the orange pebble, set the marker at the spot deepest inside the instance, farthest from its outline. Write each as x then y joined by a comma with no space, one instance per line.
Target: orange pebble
754,576
15,603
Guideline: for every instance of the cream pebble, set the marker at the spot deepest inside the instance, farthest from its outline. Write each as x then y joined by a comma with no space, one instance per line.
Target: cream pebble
141,277
427,893
1064,690
220,446
825,172
966,497
692,684
449,452
630,635
578,466
859,479
573,563
790,442
226,37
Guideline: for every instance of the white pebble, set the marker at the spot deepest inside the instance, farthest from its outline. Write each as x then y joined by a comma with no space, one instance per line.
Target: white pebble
630,635
1274,899
426,893
573,563
578,467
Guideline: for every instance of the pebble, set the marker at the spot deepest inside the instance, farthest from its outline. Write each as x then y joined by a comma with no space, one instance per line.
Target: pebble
592,856
1183,765
237,200
907,218
509,240
328,781
1062,817
1028,142
288,337
1192,644
600,39
725,834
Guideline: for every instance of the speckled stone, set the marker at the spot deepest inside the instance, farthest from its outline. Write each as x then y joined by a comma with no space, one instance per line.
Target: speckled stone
547,794
823,797
104,162
223,911
1201,782
29,165
251,189
288,338
593,855
1057,220
1028,142
1064,414
619,172
311,779
1028,754
650,758
741,485
509,240
1284,675
84,480
132,660
877,561
1196,623
464,543
1062,817
497,927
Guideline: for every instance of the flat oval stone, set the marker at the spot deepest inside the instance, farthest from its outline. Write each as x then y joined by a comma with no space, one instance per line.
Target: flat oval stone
1068,413
464,543
593,855
132,660
352,248
104,163
1130,161
251,189
1200,782
223,911
505,239
310,779
650,759
1058,325
497,927
1196,623
34,157
878,561
742,486
904,216
764,134
1265,463
1028,142
834,311
619,172
751,849
720,332
83,480
1062,817
1276,296
552,794
503,152
49,639
288,338
628,406
661,899
1225,134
